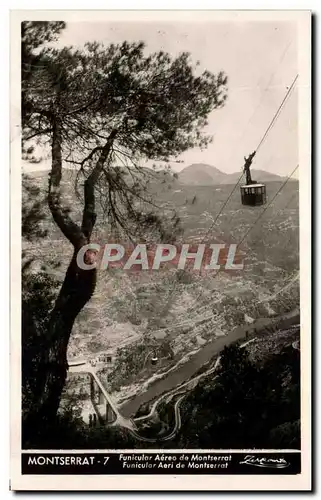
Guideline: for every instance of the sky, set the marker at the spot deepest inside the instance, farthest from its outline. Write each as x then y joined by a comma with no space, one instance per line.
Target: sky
260,60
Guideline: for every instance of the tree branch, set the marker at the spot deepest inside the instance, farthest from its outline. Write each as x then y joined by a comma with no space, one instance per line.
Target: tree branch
39,132
89,214
68,227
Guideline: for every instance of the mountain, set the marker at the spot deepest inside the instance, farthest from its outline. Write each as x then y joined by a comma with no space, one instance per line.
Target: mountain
197,174
201,174
257,175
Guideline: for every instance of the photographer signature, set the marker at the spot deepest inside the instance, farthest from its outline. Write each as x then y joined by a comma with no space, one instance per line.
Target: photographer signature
273,463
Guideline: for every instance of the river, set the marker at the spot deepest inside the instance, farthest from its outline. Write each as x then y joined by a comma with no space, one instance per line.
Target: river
187,370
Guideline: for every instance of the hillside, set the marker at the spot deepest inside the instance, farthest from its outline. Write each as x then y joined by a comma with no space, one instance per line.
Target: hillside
197,174
252,401
252,404
132,315
200,174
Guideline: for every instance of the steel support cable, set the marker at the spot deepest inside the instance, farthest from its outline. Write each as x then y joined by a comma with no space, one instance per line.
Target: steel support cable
281,210
259,217
291,279
269,204
238,181
249,121
276,115
263,95
261,141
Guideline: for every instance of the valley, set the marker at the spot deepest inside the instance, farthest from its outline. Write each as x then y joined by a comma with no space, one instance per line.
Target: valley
178,317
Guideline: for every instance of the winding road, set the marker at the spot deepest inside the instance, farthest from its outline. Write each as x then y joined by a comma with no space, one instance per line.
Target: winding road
130,423
177,414
177,377
83,366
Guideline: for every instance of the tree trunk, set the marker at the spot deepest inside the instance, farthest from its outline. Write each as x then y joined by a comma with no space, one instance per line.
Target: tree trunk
51,367
77,289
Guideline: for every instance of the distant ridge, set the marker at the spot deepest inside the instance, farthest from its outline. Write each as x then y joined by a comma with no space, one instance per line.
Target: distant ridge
201,174
197,174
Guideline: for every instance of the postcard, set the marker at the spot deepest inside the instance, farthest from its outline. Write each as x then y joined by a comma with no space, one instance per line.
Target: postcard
160,250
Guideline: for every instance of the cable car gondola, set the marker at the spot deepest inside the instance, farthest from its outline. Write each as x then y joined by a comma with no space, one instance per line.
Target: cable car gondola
154,360
252,193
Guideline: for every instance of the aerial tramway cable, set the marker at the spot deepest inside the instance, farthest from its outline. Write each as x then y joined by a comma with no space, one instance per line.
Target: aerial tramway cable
251,227
262,98
276,115
265,89
269,204
251,118
260,215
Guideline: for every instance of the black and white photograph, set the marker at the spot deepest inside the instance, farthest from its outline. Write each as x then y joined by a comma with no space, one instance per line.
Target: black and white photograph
161,288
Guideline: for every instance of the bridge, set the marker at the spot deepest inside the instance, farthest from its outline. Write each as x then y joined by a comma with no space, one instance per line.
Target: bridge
105,409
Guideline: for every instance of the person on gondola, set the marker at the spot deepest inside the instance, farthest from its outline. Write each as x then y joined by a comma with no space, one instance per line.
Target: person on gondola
248,162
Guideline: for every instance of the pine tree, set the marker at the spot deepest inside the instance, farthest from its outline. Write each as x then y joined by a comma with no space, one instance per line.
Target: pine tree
96,109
